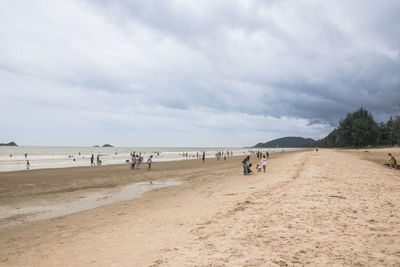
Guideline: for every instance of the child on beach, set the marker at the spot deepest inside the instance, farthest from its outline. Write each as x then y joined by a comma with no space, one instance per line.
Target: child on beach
392,161
249,171
92,160
264,162
28,165
258,168
149,161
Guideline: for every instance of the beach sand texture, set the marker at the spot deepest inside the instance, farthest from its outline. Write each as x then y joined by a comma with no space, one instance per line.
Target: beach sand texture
335,207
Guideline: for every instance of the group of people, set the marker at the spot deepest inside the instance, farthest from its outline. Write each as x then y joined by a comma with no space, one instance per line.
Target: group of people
260,154
247,166
137,159
97,159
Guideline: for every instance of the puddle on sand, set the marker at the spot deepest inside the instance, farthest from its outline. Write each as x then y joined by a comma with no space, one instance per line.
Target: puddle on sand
13,216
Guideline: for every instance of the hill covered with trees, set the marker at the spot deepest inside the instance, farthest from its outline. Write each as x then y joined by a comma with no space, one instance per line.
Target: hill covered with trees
289,141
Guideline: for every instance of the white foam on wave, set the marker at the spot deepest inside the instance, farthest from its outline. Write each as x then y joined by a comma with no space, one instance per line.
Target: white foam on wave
63,157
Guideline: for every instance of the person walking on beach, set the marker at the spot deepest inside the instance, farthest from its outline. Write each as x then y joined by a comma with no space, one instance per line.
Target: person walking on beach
244,163
149,161
204,156
264,162
139,160
28,165
92,160
133,162
392,161
98,160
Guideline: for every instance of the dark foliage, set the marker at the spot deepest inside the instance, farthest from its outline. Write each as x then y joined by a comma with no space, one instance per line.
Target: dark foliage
359,129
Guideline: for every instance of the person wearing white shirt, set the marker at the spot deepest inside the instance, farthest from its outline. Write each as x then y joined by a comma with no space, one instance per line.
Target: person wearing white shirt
264,162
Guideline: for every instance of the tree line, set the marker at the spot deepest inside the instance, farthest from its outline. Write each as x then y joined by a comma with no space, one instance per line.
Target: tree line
359,129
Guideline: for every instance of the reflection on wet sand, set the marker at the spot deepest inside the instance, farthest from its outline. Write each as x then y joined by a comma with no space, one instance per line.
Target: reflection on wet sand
10,216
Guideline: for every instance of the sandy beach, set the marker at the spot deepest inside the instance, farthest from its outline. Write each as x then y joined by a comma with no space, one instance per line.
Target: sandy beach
331,208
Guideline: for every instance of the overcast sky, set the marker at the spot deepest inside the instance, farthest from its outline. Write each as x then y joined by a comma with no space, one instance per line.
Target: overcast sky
193,73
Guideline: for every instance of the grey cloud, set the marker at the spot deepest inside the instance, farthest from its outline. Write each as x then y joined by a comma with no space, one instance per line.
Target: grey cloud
306,61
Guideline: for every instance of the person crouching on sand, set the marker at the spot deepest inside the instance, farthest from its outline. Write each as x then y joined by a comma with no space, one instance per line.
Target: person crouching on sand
249,171
392,161
258,168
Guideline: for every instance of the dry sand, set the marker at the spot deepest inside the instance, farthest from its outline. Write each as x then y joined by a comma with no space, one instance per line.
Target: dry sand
328,208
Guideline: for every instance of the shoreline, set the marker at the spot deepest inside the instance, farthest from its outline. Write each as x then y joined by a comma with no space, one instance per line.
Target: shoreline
66,157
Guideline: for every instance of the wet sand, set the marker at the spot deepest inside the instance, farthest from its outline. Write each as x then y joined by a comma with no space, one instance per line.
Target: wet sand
326,208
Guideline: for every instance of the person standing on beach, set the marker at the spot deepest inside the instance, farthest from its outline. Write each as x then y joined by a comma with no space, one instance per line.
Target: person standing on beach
149,161
133,162
244,163
264,162
28,165
92,160
204,156
139,160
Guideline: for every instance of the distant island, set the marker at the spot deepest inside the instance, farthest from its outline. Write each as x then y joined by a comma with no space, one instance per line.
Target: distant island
287,142
107,145
8,144
96,146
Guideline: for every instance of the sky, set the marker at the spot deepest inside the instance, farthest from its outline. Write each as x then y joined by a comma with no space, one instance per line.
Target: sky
193,73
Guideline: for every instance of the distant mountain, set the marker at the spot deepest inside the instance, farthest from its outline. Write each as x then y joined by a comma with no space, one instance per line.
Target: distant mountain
287,142
107,145
8,144
96,146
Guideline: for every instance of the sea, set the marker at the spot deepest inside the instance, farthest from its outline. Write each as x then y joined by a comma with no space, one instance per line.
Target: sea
12,158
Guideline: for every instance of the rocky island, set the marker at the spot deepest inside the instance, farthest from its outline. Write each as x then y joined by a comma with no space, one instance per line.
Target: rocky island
8,144
107,145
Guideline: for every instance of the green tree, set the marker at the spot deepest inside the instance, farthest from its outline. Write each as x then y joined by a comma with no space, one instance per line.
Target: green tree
395,131
356,130
385,133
